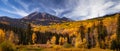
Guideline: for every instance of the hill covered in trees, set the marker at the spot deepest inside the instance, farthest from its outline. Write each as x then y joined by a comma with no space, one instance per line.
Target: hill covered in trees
103,32
98,32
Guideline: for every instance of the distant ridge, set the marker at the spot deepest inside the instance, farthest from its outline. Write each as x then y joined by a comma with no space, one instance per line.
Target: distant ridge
36,18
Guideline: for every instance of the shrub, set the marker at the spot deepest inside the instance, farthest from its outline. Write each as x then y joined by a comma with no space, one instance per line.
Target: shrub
0,49
56,47
7,46
78,45
66,45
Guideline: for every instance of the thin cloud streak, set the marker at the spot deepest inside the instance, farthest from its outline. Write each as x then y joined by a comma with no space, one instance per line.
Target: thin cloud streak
74,9
20,12
16,10
87,9
24,5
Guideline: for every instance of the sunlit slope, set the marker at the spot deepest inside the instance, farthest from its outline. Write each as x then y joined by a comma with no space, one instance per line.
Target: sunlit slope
73,27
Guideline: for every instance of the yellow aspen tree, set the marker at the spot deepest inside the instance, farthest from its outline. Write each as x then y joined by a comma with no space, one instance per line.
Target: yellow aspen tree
11,36
77,42
2,35
48,42
84,43
53,40
61,41
66,39
34,38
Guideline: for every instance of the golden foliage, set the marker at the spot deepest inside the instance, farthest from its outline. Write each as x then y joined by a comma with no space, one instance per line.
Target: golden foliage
53,40
11,36
77,42
66,39
61,41
2,35
48,42
113,37
72,28
34,38
56,47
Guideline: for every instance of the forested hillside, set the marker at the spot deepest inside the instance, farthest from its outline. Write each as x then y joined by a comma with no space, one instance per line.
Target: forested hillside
97,32
100,32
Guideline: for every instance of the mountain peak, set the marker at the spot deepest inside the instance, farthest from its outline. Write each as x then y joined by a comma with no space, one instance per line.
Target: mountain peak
44,18
38,18
38,15
31,15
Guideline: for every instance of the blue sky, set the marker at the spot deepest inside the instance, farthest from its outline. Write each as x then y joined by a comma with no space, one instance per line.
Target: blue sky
74,9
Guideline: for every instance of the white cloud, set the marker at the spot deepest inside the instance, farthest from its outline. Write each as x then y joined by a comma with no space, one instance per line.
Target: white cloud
86,9
21,13
117,7
99,9
23,4
58,11
74,9
16,11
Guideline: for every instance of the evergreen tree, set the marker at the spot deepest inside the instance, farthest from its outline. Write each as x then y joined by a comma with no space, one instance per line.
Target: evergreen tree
102,33
89,39
118,32
29,34
82,33
113,44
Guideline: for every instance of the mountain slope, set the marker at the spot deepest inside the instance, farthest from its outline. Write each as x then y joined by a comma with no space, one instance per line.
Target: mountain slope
108,21
36,18
95,32
44,19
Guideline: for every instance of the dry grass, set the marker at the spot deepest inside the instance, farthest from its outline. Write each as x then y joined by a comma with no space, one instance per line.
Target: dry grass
75,49
58,48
